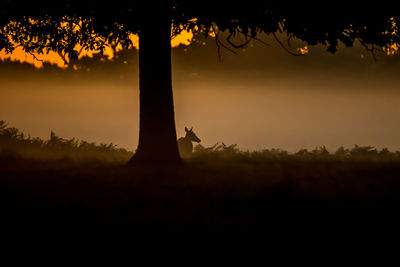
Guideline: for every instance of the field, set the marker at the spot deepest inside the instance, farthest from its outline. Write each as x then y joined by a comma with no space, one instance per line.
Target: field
221,189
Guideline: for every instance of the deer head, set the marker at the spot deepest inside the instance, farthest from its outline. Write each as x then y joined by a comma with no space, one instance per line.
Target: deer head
191,135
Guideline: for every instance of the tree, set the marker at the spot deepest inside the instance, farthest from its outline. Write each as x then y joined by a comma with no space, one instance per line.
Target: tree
68,27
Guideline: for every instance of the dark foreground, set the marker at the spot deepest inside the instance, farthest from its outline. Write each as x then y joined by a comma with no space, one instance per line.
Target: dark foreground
237,194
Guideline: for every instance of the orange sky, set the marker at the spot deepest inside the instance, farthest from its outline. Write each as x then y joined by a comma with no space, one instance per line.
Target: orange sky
184,38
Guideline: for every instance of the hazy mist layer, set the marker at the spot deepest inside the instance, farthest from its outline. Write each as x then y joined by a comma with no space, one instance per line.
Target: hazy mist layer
261,98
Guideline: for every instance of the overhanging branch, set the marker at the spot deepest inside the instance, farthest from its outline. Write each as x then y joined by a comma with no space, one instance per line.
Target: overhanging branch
220,44
285,48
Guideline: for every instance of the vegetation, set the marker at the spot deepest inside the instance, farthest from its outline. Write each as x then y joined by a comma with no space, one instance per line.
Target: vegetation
16,145
61,182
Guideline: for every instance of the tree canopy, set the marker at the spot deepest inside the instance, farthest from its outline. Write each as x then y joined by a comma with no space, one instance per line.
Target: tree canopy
69,26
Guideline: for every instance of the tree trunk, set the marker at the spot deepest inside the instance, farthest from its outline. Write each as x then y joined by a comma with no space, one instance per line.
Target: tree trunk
157,134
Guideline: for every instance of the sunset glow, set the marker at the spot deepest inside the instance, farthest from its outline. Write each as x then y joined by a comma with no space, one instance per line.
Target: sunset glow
19,55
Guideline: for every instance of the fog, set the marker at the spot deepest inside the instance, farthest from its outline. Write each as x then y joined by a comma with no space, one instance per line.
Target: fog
262,98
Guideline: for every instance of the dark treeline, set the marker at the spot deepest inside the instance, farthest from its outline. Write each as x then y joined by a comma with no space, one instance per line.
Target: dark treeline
86,67
202,57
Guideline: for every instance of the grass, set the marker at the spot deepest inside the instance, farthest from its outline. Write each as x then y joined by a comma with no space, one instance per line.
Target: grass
16,145
70,182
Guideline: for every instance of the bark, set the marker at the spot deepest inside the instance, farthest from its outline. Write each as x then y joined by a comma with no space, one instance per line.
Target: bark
157,133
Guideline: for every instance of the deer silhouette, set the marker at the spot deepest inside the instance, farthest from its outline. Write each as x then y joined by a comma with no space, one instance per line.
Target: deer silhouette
185,143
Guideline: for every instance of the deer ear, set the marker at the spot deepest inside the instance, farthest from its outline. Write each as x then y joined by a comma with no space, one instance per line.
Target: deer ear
186,129
191,129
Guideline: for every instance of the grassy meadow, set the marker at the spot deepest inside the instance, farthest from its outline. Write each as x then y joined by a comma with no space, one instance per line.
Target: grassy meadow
220,188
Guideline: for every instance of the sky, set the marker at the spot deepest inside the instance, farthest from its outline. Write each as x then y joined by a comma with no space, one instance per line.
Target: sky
260,98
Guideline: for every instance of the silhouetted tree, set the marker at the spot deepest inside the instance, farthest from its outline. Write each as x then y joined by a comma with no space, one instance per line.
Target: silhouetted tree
67,27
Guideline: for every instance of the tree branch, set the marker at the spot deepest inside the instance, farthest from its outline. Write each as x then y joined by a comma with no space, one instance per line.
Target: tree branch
36,58
254,38
63,57
246,42
285,48
220,44
371,49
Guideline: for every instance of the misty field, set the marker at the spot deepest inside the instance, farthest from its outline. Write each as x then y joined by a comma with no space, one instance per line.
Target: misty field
75,183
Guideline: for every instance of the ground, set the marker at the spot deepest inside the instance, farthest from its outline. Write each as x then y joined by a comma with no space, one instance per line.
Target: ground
211,192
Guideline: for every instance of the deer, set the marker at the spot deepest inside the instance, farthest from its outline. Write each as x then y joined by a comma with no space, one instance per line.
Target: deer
185,145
